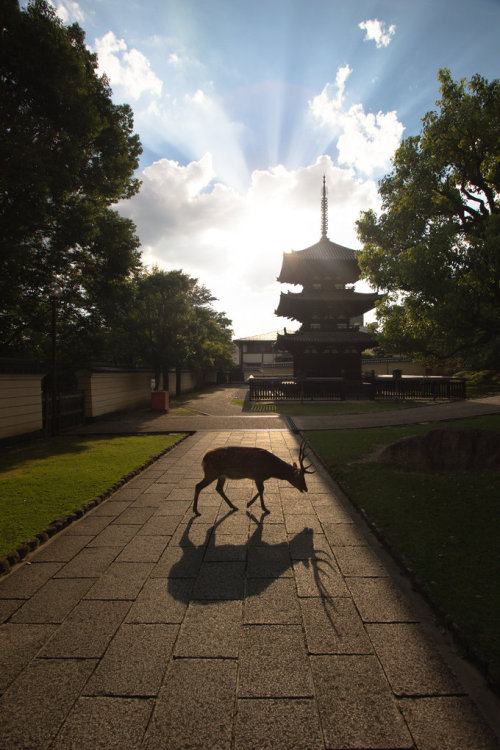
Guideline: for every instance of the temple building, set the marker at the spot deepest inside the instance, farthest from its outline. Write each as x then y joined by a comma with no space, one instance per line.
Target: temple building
329,341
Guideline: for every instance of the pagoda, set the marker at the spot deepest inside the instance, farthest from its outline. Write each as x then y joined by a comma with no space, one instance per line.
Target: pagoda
329,341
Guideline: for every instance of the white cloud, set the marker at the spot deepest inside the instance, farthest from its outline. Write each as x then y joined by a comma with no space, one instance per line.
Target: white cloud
187,115
327,106
378,32
196,123
233,242
68,11
129,69
369,141
365,141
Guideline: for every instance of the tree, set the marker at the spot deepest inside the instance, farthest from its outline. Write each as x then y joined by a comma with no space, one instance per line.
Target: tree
211,343
435,249
67,154
170,323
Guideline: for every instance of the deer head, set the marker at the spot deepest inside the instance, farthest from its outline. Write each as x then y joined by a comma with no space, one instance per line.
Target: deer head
298,476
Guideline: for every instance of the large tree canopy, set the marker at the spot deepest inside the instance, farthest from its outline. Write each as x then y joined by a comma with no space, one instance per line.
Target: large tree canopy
168,322
435,249
67,153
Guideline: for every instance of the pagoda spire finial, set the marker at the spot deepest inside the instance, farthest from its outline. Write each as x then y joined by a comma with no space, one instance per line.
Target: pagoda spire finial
324,209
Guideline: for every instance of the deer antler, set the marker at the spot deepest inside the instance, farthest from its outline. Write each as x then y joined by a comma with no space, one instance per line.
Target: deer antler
302,458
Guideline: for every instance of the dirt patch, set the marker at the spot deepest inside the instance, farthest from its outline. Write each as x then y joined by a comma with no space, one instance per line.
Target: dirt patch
464,450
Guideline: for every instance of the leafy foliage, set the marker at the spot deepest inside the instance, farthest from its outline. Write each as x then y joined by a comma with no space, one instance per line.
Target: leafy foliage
67,154
435,247
169,322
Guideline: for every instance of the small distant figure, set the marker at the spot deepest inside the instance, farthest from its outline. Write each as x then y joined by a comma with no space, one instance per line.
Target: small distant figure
236,462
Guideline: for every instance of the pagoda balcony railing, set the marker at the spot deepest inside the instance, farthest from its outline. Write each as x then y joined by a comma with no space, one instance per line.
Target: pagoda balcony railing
340,389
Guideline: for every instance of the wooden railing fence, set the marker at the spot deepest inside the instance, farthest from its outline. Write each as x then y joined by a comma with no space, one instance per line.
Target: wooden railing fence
338,389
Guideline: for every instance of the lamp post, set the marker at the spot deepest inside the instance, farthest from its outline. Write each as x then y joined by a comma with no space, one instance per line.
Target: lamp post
55,294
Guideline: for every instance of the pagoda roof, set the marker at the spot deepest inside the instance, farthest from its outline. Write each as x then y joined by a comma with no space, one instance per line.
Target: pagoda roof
338,295
326,255
325,249
356,302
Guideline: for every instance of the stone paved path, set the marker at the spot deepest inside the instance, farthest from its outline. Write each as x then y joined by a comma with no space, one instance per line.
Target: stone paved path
140,626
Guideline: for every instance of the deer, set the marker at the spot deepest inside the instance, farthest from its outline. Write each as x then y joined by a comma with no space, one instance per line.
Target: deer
238,462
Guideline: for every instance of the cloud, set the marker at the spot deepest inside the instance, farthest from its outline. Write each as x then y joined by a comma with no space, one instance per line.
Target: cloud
195,122
68,11
327,106
369,141
174,59
365,141
378,32
232,241
129,69
187,115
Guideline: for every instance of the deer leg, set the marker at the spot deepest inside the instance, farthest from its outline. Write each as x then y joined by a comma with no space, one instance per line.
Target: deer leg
204,483
260,493
250,502
220,490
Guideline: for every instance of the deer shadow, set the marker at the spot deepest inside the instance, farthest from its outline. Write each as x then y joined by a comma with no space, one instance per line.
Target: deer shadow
221,571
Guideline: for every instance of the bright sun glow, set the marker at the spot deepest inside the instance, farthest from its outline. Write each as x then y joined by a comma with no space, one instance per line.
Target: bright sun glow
241,110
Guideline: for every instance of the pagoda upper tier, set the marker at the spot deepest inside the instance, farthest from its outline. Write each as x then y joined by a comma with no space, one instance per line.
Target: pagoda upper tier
342,305
325,260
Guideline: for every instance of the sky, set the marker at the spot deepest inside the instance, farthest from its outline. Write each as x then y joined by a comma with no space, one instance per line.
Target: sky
243,105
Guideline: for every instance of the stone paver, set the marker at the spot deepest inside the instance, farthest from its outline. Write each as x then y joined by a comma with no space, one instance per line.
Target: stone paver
411,665
135,662
35,705
139,626
87,631
120,581
446,723
19,644
355,707
273,724
274,663
53,601
121,721
210,630
195,707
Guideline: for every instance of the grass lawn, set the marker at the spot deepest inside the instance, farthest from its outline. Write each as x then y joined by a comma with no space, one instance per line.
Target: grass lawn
45,480
446,525
317,408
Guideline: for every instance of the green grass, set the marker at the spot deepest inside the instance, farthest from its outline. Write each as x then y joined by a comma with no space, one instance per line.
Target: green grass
45,480
297,408
446,525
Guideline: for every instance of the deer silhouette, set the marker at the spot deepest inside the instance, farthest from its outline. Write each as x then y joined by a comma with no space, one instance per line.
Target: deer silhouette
239,462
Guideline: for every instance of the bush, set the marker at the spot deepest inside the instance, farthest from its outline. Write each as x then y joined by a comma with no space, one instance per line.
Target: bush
481,383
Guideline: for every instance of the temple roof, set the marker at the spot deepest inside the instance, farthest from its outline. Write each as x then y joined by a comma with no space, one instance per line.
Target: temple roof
325,249
292,304
325,257
338,295
271,336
